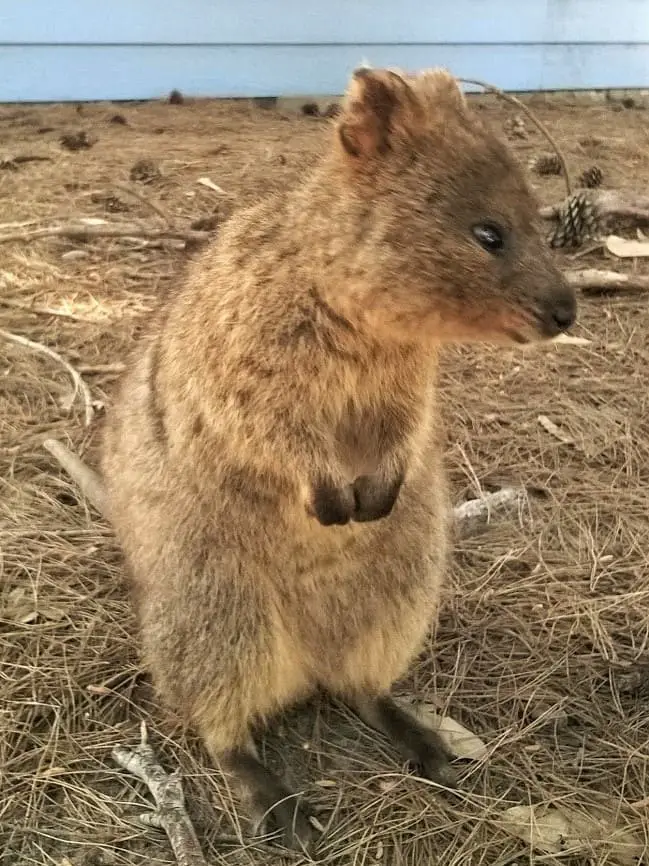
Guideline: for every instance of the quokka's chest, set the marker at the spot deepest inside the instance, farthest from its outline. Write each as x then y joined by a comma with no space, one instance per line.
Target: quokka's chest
366,435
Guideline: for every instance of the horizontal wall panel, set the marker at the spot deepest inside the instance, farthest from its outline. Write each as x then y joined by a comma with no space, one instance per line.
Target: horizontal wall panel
349,22
62,73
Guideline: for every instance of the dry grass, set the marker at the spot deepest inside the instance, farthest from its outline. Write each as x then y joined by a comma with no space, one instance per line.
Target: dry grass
540,614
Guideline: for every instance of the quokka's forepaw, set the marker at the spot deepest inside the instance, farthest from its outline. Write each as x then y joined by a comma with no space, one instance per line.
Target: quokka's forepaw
290,819
374,497
332,506
369,498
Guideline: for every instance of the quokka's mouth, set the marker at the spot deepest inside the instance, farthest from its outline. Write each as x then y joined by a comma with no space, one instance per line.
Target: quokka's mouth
517,337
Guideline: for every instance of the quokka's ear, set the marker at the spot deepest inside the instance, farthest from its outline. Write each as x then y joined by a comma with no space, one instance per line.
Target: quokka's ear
379,107
442,90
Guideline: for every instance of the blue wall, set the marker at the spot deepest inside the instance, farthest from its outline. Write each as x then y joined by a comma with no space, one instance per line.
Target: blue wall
136,49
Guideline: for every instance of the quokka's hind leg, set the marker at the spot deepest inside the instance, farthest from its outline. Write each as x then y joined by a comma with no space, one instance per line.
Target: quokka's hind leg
273,806
418,744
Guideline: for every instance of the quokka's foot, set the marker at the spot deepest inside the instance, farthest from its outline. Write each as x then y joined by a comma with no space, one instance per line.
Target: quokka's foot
274,807
419,745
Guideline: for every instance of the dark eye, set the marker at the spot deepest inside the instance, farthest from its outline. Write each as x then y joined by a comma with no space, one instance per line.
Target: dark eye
489,236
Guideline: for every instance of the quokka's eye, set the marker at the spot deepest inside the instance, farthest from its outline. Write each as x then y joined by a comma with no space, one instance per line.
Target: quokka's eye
490,237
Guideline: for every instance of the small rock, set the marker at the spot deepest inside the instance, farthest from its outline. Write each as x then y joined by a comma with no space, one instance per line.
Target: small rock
145,170
118,119
311,109
111,203
75,255
76,141
633,680
43,129
176,98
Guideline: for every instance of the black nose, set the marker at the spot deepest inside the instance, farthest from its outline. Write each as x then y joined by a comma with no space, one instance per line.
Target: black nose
564,317
562,312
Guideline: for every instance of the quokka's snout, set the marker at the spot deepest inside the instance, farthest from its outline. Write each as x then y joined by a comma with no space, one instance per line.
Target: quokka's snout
557,310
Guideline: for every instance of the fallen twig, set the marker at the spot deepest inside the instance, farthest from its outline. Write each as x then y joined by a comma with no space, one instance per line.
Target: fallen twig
609,204
154,206
554,430
595,282
507,97
170,813
79,384
12,162
118,367
209,183
92,232
46,311
86,478
474,512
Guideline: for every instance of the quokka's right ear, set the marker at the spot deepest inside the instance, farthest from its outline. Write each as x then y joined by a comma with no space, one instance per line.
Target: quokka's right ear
377,110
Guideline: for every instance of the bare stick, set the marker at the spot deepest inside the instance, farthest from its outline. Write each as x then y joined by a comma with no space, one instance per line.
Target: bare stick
92,232
594,282
86,479
475,512
79,384
490,88
170,813
116,368
154,206
609,203
46,311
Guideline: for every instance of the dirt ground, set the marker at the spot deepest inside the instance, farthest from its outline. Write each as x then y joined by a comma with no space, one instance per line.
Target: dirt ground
545,613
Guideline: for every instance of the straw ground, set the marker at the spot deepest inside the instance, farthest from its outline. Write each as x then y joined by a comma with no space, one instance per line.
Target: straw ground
545,613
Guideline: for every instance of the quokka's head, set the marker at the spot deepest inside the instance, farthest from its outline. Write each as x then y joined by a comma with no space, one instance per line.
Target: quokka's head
448,235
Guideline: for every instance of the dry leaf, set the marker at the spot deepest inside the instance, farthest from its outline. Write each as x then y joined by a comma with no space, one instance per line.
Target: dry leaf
51,771
556,831
326,783
53,614
205,181
569,340
627,249
387,785
98,690
461,742
555,431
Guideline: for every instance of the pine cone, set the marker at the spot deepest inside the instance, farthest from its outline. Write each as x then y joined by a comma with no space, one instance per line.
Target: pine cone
592,177
545,164
515,127
578,221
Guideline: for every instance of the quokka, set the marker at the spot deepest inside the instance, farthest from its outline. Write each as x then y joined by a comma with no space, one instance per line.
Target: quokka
272,461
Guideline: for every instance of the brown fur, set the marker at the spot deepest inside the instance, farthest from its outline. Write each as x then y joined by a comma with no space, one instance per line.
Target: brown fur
299,355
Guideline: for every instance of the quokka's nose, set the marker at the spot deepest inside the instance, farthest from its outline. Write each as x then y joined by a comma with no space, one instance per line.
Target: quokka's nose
565,314
561,311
